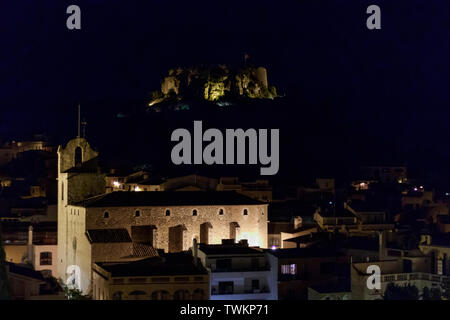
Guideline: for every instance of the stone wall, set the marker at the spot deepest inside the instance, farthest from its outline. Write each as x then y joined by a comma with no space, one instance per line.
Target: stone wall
67,154
252,226
85,185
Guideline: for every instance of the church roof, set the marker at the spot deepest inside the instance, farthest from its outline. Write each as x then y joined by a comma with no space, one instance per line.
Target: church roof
167,198
108,235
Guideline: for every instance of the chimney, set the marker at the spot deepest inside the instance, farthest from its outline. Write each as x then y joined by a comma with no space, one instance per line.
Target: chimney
243,242
195,250
297,222
381,244
30,245
30,235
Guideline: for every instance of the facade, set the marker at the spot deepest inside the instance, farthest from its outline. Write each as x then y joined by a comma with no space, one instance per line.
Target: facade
78,179
300,268
163,220
238,272
438,250
24,282
404,271
352,218
175,276
37,246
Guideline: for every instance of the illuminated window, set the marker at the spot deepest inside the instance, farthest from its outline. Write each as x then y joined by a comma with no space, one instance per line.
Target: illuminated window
106,214
289,269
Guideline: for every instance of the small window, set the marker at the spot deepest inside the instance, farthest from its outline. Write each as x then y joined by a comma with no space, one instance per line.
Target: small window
46,258
137,213
289,269
106,215
194,212
220,212
245,212
167,212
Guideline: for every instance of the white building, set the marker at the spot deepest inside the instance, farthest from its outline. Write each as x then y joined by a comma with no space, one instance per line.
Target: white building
238,272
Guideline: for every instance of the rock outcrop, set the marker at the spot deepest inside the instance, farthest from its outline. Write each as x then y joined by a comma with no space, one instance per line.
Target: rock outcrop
216,83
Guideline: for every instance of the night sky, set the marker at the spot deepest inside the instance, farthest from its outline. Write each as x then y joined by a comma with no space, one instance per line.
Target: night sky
390,85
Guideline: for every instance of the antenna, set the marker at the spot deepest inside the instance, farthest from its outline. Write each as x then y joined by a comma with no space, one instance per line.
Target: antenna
84,124
79,122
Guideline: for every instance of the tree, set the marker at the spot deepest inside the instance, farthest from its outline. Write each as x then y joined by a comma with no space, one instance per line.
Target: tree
4,283
431,294
397,292
72,293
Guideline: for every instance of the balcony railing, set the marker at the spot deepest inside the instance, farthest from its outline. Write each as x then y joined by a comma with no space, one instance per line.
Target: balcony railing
242,269
414,276
253,291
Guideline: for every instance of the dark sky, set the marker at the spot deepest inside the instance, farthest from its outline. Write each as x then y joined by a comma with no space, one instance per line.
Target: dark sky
319,52
312,48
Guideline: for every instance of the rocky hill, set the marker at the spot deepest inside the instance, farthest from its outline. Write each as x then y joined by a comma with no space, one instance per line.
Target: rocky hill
217,83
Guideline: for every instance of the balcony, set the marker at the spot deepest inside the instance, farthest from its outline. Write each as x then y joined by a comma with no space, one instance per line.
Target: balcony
261,294
240,269
414,276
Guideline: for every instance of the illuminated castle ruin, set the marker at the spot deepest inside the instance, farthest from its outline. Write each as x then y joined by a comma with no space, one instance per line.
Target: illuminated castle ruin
215,83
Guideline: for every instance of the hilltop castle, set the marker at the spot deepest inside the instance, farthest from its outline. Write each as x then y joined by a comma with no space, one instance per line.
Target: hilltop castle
214,83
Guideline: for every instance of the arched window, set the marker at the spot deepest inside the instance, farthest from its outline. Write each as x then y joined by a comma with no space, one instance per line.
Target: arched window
106,214
137,295
78,156
117,295
194,212
198,294
160,295
181,295
220,212
137,213
245,212
167,212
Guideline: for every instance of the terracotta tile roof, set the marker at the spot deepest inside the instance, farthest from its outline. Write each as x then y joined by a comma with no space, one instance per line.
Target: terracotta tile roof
144,250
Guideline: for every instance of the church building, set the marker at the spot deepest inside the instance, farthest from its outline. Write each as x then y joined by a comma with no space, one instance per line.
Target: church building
98,227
